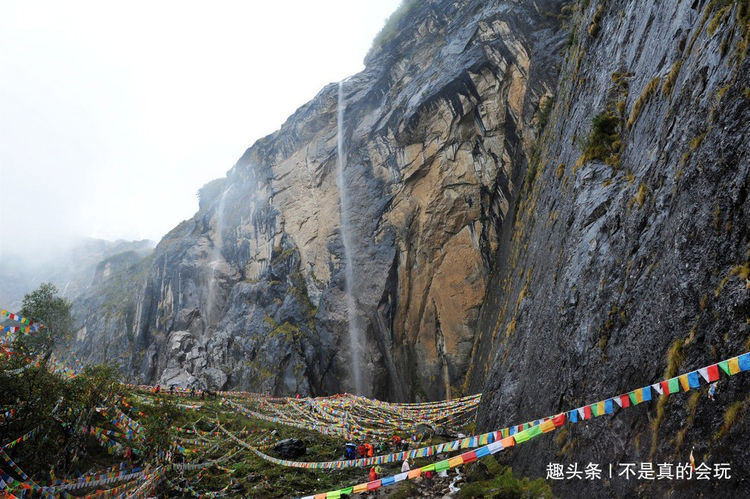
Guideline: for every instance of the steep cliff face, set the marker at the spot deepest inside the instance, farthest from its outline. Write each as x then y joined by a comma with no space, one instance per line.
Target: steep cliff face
628,257
250,292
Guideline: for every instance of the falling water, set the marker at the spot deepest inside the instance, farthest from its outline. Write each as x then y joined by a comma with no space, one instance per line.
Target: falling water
216,257
355,334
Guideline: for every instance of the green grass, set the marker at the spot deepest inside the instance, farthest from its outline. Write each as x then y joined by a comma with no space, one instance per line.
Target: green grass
487,478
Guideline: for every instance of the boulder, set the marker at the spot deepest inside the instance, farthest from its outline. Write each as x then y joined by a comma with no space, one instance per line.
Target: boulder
290,448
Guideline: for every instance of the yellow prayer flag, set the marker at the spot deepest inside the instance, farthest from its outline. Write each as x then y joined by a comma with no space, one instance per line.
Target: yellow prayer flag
734,365
684,382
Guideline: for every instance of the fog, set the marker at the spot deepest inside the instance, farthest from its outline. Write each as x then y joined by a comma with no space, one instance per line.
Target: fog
112,115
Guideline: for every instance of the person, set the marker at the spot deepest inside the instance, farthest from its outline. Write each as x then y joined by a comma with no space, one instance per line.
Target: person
171,389
405,467
396,441
373,475
362,450
157,389
712,390
370,450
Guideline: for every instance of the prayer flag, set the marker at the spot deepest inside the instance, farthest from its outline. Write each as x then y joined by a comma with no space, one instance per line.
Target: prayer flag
734,366
608,408
646,393
744,362
684,382
693,380
469,457
673,385
508,442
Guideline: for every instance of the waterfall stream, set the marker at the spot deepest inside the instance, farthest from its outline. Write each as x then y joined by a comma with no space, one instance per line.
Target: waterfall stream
355,333
216,259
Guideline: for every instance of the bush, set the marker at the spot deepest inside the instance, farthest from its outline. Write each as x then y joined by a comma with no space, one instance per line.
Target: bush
603,142
393,23
58,409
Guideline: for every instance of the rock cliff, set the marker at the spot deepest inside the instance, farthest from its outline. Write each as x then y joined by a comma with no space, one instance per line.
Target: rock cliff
627,260
250,292
545,201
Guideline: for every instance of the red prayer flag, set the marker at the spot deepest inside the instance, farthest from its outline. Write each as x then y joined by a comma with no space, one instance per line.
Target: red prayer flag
587,412
469,457
713,372
665,387
559,420
625,401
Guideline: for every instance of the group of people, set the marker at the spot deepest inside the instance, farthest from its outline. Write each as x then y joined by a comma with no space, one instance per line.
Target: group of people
366,449
193,393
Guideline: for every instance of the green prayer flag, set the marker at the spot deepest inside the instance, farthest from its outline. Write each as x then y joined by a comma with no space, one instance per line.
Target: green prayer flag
534,431
522,436
594,410
336,494
442,465
429,467
724,364
674,385
347,490
633,400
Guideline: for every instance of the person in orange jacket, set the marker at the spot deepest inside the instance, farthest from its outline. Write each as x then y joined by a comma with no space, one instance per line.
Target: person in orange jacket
370,450
373,475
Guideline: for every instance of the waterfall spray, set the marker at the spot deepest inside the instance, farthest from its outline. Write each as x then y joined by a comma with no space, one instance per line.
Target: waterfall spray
355,333
216,257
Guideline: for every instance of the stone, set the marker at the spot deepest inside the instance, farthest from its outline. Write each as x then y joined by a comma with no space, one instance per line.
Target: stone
290,448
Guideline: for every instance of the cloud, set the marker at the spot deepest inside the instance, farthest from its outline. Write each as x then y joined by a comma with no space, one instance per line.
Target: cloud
114,114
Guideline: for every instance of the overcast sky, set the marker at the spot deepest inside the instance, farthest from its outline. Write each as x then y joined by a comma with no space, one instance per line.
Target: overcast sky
113,114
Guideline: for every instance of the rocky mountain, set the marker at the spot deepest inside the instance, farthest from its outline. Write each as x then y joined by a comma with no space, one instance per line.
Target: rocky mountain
359,237
71,266
542,200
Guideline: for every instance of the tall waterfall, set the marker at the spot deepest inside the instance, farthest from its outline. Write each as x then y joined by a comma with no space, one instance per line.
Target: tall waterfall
355,332
216,259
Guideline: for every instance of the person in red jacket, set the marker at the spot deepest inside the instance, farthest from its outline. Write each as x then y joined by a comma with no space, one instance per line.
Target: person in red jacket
373,475
362,450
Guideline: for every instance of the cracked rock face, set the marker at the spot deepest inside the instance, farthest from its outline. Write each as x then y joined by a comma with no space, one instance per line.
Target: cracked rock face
249,293
620,265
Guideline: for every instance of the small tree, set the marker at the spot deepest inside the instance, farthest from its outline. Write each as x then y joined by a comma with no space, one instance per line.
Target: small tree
46,306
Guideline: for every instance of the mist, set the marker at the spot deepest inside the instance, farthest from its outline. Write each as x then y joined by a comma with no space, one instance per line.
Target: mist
114,115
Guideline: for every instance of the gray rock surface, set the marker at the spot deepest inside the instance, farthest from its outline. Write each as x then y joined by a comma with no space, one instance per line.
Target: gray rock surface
617,275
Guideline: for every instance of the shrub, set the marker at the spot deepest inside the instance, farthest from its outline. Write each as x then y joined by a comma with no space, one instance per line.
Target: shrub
603,142
393,23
